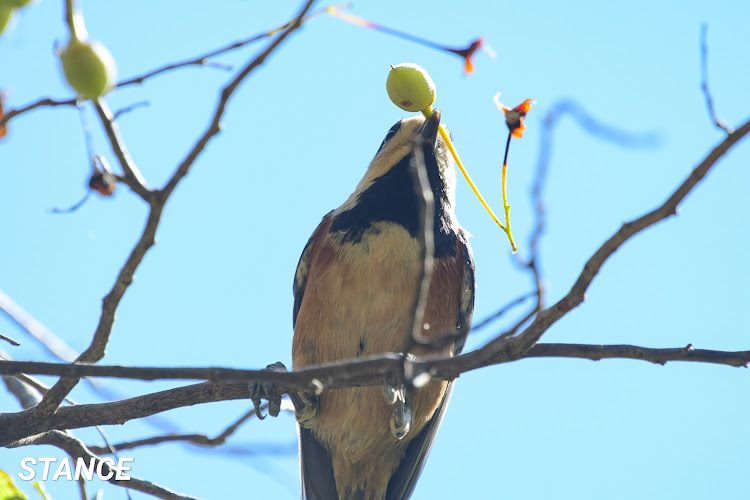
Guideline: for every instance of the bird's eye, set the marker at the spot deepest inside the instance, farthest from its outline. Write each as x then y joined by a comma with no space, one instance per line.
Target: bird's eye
390,134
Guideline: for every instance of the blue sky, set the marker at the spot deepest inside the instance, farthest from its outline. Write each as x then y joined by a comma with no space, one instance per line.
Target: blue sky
298,135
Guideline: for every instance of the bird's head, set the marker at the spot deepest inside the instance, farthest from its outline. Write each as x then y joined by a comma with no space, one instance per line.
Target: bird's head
397,149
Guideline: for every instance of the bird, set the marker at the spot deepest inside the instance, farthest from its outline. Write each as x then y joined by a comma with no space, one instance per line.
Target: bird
353,289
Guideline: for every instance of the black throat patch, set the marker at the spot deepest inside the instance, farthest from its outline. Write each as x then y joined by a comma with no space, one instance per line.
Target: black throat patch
391,198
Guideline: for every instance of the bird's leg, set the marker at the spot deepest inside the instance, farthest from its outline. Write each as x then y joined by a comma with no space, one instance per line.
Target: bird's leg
305,408
401,417
308,408
395,393
390,392
264,390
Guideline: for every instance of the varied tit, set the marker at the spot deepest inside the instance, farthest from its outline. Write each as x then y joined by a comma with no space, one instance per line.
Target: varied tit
353,293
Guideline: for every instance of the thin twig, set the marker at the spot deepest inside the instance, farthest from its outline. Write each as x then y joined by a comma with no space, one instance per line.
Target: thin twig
51,342
133,177
205,59
45,102
594,127
202,60
198,61
195,439
501,312
704,83
517,346
72,208
76,449
653,355
9,340
26,394
127,109
226,94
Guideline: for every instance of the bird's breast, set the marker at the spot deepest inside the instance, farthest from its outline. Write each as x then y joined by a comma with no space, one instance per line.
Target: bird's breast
359,295
357,302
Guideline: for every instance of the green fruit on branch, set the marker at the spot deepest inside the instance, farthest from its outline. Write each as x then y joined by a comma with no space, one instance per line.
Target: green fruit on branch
410,87
89,68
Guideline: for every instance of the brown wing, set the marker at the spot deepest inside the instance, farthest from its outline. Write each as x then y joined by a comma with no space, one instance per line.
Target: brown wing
303,266
316,468
405,477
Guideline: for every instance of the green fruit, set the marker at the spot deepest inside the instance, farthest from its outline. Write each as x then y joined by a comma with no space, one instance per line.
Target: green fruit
15,3
89,68
410,87
6,14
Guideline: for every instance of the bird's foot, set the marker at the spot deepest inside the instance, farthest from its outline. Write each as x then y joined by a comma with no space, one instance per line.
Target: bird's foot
308,409
264,390
392,392
401,419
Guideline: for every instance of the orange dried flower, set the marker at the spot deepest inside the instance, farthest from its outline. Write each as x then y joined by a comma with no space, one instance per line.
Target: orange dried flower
468,53
514,117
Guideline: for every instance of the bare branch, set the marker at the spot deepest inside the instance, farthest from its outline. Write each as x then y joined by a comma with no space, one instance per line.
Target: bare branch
76,449
658,356
704,83
46,102
133,178
202,60
592,126
25,393
51,342
515,347
95,351
195,439
343,374
127,109
501,312
226,94
72,208
198,61
9,340
156,200
349,373
205,59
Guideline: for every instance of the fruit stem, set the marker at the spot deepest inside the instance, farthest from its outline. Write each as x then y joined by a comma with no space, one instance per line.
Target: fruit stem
427,112
74,20
506,207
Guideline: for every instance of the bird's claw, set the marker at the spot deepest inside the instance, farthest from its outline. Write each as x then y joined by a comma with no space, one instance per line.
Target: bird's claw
401,419
391,393
263,390
308,409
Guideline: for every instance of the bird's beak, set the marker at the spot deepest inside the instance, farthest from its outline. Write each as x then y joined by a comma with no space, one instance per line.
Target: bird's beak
429,132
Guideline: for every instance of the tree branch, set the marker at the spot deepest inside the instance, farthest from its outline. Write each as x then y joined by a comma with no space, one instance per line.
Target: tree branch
226,94
157,202
76,449
515,347
46,102
344,374
204,60
349,373
194,439
704,83
658,356
133,177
